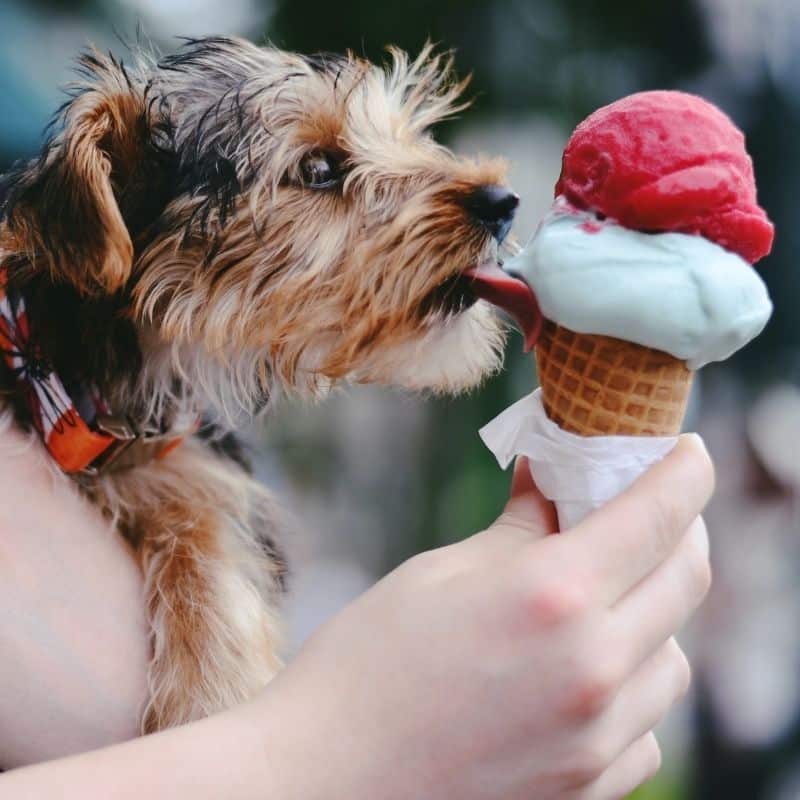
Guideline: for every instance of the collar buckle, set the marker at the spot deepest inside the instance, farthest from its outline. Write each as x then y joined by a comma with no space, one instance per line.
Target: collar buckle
132,446
124,433
120,427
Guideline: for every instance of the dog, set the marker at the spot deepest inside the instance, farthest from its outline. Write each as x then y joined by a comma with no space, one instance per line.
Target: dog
201,234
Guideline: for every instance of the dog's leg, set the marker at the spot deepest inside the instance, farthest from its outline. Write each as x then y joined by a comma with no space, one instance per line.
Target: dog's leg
211,586
213,635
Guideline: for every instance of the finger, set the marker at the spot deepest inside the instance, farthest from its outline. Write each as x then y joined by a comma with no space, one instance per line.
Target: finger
645,699
637,765
660,605
528,514
522,479
637,531
527,517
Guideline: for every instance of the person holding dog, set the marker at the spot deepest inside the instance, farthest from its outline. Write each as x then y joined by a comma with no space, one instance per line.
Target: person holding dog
524,665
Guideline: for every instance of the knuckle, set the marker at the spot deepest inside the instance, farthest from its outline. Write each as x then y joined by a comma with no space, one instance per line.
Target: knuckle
553,604
592,690
587,765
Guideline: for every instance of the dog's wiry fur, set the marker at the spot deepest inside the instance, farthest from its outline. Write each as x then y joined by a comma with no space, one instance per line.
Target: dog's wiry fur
170,251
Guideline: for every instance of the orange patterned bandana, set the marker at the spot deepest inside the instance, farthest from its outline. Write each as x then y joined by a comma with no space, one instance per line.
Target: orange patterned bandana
77,427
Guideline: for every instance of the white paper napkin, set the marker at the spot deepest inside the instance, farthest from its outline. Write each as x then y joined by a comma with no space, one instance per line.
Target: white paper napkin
578,473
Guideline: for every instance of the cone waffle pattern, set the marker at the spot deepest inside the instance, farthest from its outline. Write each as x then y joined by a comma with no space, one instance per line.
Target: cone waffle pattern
599,386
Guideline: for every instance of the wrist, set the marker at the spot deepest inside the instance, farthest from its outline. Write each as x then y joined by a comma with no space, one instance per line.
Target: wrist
280,738
303,749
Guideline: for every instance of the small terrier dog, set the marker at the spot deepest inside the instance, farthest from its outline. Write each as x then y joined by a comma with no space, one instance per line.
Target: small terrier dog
199,234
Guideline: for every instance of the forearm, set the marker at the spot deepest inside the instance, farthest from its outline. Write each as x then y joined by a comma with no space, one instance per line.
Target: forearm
73,639
223,756
558,645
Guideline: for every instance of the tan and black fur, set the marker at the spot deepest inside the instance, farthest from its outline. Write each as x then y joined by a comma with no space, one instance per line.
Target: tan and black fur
230,223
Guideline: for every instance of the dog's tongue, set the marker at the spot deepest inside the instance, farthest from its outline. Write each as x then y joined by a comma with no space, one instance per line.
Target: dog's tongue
510,293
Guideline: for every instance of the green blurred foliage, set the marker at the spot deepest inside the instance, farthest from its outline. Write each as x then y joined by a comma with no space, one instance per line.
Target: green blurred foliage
522,53
665,787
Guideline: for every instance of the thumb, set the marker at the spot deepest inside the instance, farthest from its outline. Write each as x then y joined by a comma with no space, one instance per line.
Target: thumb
527,509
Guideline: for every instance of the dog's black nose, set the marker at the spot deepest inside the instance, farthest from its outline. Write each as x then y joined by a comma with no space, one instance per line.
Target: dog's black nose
494,207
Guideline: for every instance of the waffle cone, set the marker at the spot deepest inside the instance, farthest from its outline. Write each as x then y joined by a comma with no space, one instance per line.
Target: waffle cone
599,386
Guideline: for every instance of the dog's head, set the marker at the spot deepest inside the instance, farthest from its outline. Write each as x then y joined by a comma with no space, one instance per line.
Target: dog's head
281,217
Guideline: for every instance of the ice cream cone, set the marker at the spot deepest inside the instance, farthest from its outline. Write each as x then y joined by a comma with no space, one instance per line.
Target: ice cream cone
654,226
600,386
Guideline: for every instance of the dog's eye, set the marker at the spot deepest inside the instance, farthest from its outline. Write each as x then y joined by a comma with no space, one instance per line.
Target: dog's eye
319,171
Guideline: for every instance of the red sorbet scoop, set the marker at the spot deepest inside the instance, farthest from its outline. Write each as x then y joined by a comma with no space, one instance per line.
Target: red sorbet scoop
668,161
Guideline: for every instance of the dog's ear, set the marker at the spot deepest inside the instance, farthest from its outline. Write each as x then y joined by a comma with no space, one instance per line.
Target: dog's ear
63,209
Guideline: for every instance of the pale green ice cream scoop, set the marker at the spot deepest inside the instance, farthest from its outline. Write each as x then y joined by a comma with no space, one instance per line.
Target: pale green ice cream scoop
674,292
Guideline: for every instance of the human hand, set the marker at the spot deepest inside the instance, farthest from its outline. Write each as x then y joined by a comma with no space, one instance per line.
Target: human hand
511,665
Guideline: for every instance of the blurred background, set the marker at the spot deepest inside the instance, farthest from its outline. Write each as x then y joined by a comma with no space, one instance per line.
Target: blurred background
375,475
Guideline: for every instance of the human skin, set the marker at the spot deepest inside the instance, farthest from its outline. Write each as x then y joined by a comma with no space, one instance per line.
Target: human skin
72,637
515,664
